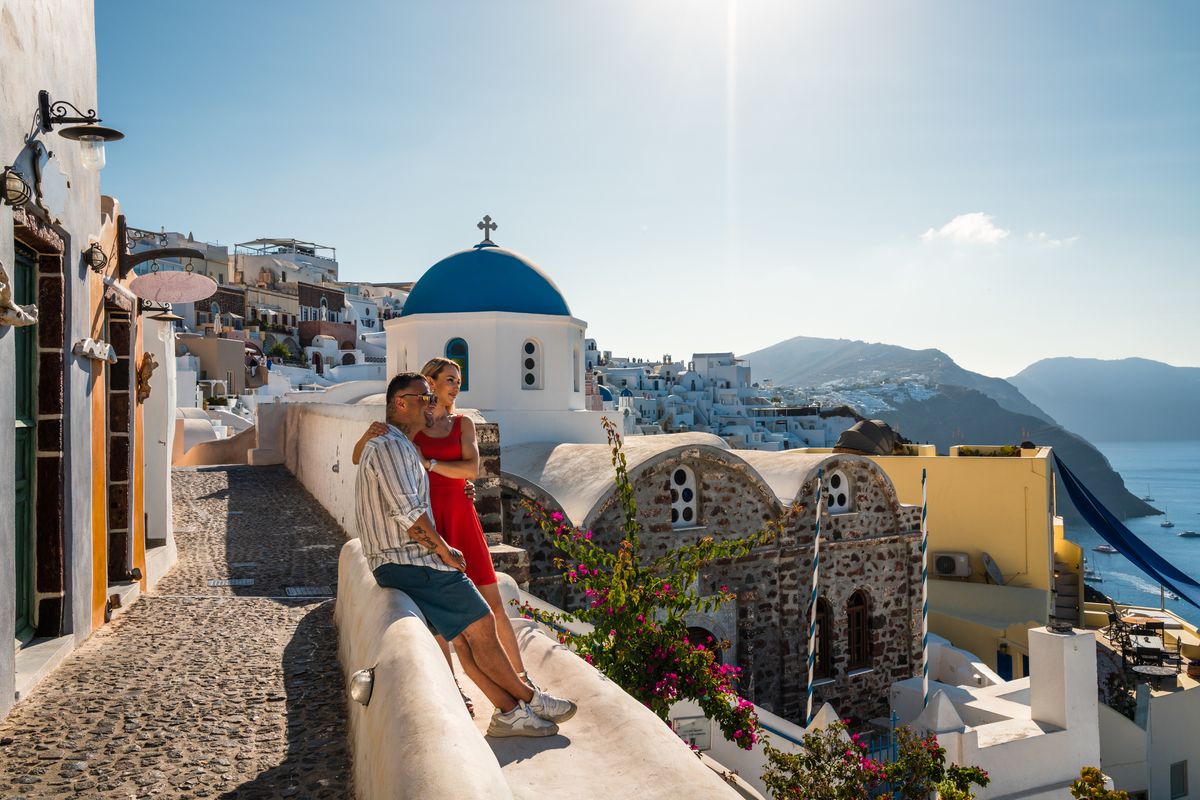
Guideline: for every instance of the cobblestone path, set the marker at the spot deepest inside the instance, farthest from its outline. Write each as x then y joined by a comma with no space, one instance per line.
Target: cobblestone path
199,691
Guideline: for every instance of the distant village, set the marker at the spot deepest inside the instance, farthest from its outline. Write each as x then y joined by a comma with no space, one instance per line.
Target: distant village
281,301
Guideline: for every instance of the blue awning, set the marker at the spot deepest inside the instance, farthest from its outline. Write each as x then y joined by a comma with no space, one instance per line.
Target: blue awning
1140,554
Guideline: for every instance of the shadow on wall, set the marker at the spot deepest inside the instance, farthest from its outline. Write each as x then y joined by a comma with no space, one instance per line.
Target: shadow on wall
217,451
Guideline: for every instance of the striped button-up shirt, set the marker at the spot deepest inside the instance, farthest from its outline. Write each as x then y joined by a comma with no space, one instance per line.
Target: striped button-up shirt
391,492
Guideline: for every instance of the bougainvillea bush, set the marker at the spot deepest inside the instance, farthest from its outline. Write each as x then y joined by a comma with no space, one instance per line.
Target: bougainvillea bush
834,764
637,609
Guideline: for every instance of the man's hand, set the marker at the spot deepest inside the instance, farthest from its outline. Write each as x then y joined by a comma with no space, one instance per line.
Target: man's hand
469,491
376,429
453,557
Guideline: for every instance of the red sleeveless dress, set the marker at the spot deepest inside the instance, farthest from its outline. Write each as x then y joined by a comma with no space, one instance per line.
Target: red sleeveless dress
453,512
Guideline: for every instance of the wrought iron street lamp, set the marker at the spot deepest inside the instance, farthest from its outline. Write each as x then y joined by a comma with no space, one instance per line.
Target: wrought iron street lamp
90,135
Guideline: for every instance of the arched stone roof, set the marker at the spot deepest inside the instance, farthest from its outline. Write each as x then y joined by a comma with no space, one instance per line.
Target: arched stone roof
579,477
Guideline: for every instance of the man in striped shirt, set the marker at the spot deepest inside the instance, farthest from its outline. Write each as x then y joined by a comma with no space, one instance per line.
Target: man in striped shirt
406,552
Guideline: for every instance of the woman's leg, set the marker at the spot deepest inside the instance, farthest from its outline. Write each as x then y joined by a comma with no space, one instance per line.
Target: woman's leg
445,651
504,628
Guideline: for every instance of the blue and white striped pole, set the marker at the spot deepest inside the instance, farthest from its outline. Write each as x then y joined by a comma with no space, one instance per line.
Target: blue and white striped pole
924,592
812,603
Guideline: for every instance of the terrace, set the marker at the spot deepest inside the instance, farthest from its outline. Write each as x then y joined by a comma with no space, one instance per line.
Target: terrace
286,247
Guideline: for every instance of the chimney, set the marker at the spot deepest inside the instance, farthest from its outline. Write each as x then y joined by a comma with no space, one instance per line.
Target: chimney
1062,685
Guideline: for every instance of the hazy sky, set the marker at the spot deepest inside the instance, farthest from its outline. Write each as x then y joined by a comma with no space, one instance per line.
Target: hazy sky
1004,182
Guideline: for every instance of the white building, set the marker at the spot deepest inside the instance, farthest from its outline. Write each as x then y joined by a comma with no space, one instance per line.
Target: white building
509,328
273,261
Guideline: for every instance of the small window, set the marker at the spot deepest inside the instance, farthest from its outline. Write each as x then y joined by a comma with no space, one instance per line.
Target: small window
858,630
324,309
685,506
575,370
1179,784
839,494
215,310
823,667
531,365
457,351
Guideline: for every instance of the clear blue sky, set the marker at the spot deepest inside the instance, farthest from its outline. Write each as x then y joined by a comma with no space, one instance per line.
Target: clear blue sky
1004,181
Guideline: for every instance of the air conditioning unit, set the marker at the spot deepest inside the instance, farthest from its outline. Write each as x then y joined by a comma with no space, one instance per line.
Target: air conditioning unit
952,565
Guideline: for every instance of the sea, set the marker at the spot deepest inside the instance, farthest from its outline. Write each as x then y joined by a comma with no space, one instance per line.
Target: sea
1170,473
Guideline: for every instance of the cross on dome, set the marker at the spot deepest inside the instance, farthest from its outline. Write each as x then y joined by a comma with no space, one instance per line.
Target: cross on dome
487,226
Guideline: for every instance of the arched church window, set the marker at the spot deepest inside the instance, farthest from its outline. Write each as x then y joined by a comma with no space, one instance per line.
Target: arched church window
823,668
858,630
531,365
457,351
215,310
839,494
324,309
685,504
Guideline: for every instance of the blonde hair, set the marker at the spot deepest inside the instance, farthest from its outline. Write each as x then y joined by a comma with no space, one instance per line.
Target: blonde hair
434,366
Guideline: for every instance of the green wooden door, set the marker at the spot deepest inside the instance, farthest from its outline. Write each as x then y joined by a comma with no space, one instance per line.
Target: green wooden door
23,294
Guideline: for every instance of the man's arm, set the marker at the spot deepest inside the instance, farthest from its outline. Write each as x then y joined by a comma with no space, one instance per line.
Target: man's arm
398,476
424,534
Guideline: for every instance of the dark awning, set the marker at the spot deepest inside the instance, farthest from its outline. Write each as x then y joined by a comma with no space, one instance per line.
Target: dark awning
1140,554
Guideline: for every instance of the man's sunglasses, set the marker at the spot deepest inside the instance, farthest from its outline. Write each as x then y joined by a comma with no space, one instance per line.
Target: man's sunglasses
429,396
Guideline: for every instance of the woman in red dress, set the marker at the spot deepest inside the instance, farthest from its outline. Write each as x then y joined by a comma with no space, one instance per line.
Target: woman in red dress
450,452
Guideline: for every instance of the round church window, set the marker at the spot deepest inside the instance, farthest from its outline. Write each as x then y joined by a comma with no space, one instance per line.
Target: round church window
835,481
674,515
529,379
688,514
530,363
674,496
529,347
680,477
688,495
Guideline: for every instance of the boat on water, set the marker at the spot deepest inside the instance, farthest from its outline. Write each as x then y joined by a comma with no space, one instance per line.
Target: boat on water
1166,523
1189,534
1149,498
1105,548
1090,574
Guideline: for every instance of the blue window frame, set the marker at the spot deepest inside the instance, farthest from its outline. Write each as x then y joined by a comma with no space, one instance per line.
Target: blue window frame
458,352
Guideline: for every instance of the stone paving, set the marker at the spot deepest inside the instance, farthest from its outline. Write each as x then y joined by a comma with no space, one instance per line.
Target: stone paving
199,691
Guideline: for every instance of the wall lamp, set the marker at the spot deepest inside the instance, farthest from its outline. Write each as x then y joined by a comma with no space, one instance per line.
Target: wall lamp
90,135
15,191
95,257
362,683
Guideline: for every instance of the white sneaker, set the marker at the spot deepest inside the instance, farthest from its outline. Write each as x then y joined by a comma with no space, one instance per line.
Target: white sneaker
555,709
521,721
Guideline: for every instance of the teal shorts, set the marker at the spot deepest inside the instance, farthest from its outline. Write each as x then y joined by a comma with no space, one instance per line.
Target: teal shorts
447,598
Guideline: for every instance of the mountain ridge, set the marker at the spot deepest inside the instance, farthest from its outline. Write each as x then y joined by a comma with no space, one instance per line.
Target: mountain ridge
928,397
1099,397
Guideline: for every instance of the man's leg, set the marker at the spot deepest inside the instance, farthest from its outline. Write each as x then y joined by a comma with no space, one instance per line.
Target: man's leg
499,698
504,628
489,658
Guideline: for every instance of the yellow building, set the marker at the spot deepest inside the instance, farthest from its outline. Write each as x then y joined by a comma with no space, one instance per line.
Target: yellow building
992,503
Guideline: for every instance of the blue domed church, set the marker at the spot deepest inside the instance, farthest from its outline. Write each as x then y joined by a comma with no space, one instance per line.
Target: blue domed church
506,323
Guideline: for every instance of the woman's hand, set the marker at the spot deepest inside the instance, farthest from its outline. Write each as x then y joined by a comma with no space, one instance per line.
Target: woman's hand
373,430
